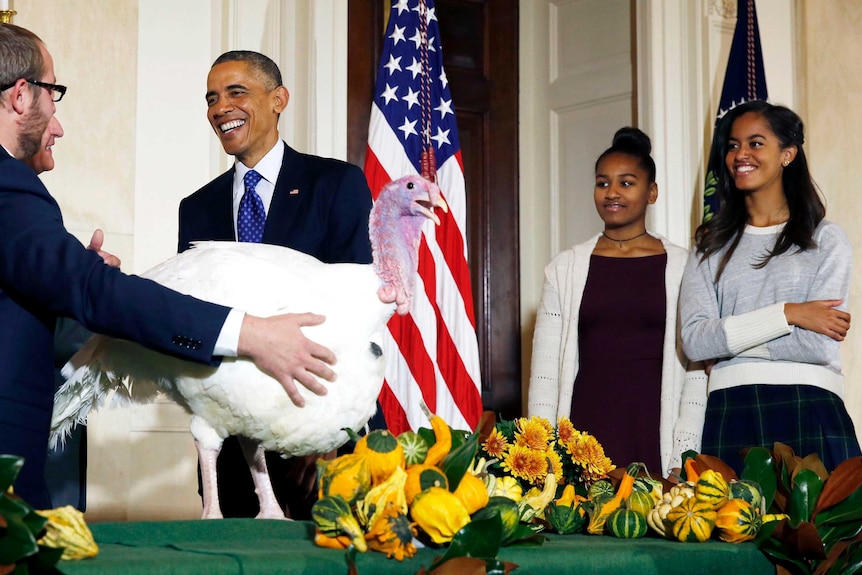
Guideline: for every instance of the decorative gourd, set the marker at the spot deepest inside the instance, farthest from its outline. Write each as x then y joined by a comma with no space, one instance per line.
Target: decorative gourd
66,529
392,533
649,485
748,490
533,504
691,520
570,497
415,447
565,518
390,493
508,511
347,476
439,514
383,453
712,488
603,507
641,502
737,521
673,498
421,477
472,493
599,488
333,517
691,474
626,523
442,438
508,486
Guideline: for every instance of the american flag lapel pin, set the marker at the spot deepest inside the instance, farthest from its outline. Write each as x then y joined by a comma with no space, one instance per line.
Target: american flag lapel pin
294,192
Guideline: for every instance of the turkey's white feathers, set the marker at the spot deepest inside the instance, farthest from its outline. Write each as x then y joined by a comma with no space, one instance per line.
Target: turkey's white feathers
236,398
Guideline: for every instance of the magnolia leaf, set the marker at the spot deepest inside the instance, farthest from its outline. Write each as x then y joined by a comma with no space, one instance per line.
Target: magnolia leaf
10,465
780,555
785,454
459,459
845,480
812,462
479,538
470,566
760,468
705,462
850,509
487,422
803,540
806,488
17,542
831,535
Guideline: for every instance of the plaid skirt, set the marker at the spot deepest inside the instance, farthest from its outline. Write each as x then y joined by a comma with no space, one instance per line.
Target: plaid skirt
807,418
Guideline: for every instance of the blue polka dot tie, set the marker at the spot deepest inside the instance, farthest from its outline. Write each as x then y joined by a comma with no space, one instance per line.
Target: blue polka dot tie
251,216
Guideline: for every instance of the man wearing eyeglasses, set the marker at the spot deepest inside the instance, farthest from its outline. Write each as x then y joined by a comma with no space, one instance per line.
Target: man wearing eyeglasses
45,272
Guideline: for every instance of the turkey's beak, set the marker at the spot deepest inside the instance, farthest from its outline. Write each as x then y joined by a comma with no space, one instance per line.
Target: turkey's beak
426,208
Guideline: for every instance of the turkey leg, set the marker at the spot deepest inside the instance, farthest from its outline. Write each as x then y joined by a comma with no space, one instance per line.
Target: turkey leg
207,459
256,459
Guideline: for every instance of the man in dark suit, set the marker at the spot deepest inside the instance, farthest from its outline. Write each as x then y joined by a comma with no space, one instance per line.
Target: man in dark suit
315,205
45,272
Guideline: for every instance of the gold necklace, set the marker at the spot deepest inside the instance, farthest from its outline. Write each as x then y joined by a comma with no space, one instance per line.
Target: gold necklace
620,242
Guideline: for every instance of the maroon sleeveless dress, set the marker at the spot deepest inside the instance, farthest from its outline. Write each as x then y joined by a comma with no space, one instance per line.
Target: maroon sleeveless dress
617,394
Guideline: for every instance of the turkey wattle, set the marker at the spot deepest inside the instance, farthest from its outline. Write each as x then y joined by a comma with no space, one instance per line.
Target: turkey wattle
235,397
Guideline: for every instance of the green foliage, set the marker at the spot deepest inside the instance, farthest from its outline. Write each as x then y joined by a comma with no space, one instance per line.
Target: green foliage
21,527
823,532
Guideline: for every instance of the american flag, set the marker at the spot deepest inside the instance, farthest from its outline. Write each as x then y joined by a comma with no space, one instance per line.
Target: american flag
744,80
431,353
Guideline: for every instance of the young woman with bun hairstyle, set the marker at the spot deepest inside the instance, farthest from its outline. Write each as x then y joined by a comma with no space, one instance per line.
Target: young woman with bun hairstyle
605,347
764,298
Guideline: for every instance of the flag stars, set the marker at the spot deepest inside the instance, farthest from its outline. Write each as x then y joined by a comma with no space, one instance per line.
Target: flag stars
408,127
444,108
443,79
393,65
415,67
389,94
417,38
401,6
398,34
411,98
442,137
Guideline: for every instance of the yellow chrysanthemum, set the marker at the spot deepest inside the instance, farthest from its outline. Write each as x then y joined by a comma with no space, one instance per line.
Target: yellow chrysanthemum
496,445
524,463
565,430
587,453
533,433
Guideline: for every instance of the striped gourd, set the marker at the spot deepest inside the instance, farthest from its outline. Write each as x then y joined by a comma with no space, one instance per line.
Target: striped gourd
748,490
737,521
692,520
712,488
626,523
640,502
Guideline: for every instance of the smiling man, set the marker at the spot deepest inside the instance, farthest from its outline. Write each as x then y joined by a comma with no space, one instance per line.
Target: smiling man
315,205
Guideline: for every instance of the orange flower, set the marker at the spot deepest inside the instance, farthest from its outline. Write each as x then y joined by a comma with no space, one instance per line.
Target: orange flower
496,445
534,433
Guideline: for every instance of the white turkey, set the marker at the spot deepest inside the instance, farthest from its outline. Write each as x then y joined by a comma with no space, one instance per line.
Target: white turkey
235,397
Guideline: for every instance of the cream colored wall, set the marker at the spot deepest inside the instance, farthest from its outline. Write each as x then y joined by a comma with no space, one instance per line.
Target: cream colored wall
831,87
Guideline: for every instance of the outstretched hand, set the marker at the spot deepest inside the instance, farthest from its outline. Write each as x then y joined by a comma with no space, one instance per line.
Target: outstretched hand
278,347
96,245
821,316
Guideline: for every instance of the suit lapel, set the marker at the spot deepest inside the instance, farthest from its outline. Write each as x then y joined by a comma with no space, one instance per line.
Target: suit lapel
222,208
287,199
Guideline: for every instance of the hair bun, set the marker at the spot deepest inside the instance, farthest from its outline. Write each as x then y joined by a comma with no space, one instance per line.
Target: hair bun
633,141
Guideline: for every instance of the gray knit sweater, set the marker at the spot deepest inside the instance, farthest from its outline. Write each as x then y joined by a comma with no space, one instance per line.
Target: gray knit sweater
740,319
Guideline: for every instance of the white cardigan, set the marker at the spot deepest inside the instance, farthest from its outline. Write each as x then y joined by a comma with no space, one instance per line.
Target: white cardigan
555,348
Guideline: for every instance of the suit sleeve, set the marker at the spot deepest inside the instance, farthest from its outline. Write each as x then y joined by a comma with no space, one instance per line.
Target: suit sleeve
44,268
348,218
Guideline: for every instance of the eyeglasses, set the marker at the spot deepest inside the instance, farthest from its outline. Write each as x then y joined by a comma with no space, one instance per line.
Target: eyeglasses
57,91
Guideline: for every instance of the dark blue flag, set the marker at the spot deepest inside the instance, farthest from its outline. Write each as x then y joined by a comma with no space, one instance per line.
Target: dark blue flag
744,80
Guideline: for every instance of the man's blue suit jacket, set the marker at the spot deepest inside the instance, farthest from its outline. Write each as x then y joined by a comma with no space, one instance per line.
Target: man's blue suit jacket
320,207
45,272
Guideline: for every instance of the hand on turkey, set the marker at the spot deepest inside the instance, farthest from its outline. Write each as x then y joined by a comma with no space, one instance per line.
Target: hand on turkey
279,348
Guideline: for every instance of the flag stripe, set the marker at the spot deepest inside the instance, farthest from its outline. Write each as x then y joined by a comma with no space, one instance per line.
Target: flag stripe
432,353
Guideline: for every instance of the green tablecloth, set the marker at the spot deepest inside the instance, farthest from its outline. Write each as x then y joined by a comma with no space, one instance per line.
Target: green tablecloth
249,546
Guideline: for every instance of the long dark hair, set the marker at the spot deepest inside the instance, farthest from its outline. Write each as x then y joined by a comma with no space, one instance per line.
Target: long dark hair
803,198
632,142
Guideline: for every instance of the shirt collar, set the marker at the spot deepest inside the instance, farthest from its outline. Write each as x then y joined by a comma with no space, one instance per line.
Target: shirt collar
268,167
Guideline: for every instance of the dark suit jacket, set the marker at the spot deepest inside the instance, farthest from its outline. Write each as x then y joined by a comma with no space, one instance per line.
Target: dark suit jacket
45,272
327,217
